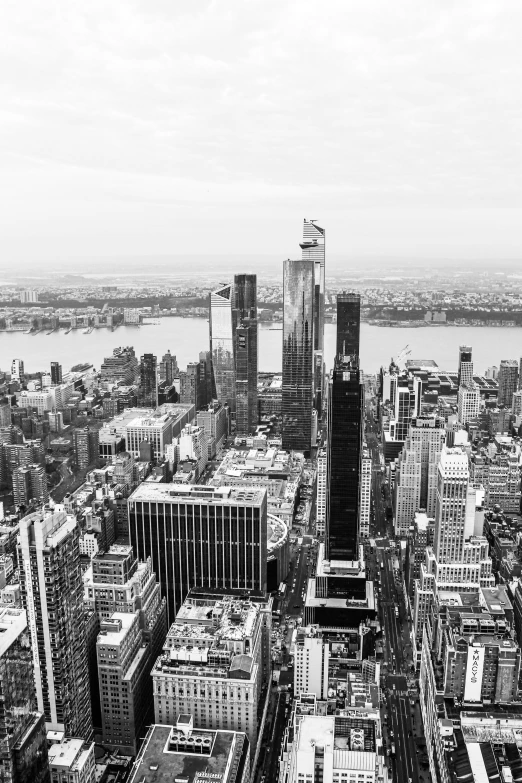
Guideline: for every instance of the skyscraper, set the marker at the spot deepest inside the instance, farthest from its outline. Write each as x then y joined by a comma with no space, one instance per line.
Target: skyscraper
148,393
245,331
299,291
313,249
56,373
200,536
348,324
222,345
52,594
17,370
168,368
465,372
507,381
345,436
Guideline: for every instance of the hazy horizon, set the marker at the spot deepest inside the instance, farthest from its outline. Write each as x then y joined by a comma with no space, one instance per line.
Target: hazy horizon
133,129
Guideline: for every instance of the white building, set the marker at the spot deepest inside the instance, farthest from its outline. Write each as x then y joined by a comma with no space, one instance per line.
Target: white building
211,666
157,430
311,655
459,559
468,402
365,494
41,400
323,749
131,316
321,493
193,446
72,761
416,471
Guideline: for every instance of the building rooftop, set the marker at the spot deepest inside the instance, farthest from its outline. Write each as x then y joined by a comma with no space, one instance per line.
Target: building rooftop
164,493
13,621
179,753
64,754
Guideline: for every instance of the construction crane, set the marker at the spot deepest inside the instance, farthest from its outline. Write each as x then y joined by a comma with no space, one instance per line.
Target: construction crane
406,351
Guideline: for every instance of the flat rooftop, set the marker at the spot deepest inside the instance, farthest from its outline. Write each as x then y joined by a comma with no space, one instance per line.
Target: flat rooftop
198,493
13,621
158,764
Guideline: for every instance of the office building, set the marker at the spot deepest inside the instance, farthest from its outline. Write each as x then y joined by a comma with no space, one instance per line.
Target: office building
42,401
86,447
468,402
168,369
222,345
313,249
116,582
345,434
29,295
5,414
185,752
121,367
507,381
193,385
56,373
72,761
298,354
465,369
22,729
124,666
245,352
416,471
200,536
155,430
51,583
498,472
17,371
214,421
131,316
322,487
148,390
348,324
459,559
211,666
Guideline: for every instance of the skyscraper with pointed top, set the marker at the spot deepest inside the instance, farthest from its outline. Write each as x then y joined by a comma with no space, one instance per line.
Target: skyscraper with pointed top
313,249
222,345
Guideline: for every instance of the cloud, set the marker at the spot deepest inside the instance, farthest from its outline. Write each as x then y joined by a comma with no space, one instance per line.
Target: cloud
265,104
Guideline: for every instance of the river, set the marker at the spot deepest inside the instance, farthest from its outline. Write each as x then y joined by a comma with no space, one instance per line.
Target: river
186,337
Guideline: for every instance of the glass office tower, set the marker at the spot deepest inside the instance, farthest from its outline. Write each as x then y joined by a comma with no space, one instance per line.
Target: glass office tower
245,323
348,324
222,346
313,249
298,353
148,391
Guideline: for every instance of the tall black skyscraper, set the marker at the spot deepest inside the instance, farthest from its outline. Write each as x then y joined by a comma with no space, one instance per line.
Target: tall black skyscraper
345,434
348,324
245,351
56,373
298,354
148,392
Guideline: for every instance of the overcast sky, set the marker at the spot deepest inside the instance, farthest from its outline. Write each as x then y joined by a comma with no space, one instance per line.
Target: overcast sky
171,127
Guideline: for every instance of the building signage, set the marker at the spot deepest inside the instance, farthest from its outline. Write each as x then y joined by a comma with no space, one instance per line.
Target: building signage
474,672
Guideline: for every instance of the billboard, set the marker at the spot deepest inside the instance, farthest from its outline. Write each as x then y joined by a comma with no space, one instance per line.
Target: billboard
474,672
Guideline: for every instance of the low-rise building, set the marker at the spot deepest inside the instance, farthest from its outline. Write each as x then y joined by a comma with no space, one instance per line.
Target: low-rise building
72,761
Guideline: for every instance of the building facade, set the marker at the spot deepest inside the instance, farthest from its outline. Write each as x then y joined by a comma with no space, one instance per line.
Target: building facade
200,536
299,290
245,358
222,345
507,382
51,585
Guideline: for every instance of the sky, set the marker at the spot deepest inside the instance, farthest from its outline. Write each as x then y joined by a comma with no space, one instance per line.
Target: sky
155,127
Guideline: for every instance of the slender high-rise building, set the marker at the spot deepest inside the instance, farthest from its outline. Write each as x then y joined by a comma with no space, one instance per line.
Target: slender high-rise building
52,594
313,249
56,373
148,393
348,324
507,381
345,436
298,353
221,325
245,359
465,373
